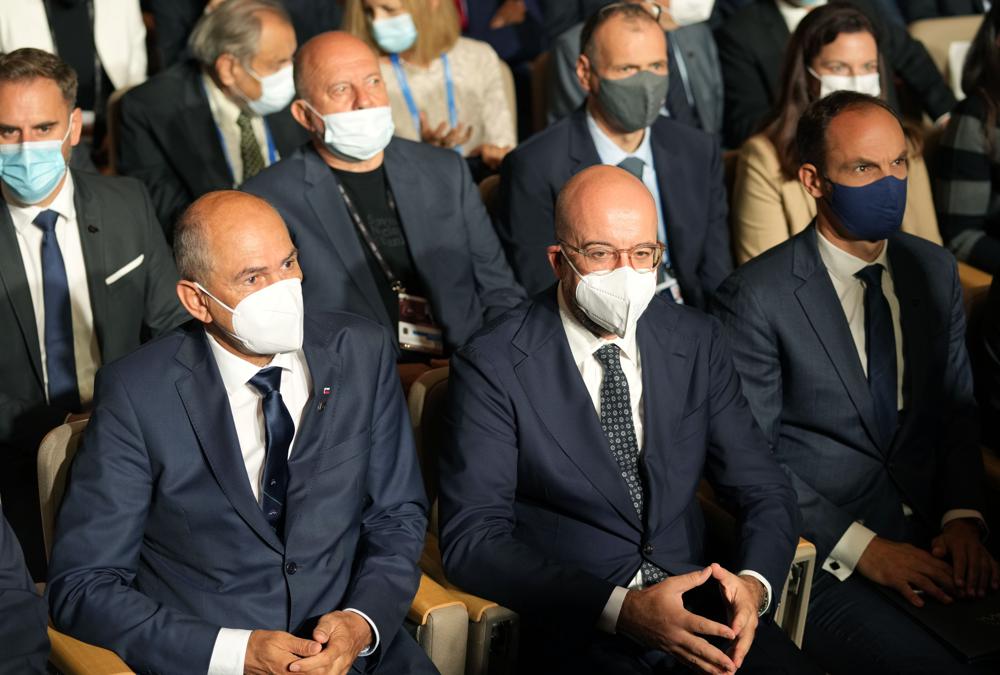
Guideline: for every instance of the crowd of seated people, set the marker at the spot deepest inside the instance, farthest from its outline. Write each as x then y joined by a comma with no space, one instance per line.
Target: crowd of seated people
733,250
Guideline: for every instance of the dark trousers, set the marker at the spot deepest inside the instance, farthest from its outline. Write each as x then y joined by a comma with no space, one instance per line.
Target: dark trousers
854,630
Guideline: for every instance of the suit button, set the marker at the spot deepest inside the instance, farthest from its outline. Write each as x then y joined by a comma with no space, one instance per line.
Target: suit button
291,568
647,549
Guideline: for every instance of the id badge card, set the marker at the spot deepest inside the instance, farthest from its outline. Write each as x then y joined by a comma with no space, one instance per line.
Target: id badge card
417,331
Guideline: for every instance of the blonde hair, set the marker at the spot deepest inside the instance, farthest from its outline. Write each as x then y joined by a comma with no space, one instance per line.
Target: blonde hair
437,29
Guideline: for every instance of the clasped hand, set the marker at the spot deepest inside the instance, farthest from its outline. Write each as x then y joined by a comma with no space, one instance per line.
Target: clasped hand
336,642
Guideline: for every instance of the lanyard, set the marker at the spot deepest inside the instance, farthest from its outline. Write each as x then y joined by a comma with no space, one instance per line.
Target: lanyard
98,80
394,282
411,104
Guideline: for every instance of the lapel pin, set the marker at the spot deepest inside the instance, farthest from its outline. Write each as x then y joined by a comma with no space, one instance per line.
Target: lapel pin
322,402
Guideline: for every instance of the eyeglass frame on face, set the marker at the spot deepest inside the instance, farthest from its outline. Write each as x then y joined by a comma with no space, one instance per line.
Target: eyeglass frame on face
658,251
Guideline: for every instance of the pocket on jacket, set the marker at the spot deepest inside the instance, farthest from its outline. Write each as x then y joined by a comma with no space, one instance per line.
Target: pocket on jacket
344,451
124,269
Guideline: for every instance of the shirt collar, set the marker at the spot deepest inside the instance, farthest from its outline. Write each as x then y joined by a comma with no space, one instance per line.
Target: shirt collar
841,264
793,15
583,343
224,110
236,372
610,153
24,216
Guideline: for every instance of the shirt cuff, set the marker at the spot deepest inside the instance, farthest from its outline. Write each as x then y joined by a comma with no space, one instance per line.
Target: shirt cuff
955,514
845,555
767,589
230,652
608,621
370,649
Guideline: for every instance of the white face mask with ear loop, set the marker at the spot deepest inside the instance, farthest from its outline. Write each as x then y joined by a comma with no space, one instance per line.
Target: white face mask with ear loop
615,300
870,83
357,135
687,12
269,321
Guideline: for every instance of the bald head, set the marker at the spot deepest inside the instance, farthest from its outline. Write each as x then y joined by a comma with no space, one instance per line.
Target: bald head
605,204
329,58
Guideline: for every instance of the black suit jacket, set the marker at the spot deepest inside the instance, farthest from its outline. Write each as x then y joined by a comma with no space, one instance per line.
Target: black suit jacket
117,225
453,245
689,171
533,511
752,46
23,616
802,375
914,10
170,142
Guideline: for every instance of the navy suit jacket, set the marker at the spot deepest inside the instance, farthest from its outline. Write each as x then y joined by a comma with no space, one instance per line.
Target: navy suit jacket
22,612
692,190
533,511
160,541
454,247
803,378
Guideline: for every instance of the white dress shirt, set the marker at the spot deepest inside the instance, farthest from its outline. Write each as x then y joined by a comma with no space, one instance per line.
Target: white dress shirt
582,345
842,266
612,155
225,113
246,404
29,240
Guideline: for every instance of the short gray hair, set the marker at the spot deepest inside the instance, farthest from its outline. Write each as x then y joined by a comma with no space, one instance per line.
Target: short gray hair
191,246
231,28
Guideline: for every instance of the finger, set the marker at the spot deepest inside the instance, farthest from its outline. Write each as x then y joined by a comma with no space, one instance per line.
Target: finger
937,570
299,646
741,617
742,646
685,582
320,662
702,626
907,592
930,588
995,574
467,136
938,548
962,569
700,649
324,628
985,571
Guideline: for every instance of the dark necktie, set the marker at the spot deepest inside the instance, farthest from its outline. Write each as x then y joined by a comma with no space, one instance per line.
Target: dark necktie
616,421
279,429
60,361
880,345
633,165
250,154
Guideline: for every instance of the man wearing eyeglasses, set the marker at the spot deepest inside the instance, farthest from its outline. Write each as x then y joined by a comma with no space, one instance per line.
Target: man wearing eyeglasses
580,425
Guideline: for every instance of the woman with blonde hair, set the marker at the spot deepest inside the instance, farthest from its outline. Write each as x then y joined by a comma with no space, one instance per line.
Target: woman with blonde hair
834,48
443,88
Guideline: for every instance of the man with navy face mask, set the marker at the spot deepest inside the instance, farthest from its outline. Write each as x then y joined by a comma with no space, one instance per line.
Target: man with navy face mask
850,342
84,272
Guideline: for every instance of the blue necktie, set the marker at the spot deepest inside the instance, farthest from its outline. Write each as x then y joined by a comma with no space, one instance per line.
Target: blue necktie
279,429
880,345
60,361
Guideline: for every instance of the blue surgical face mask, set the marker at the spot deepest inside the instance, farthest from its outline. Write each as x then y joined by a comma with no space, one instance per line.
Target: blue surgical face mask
33,169
395,34
870,212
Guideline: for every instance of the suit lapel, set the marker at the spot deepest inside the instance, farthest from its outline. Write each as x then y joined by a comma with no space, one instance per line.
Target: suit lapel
325,370
328,206
410,191
92,241
819,302
669,178
666,368
910,285
204,398
195,125
582,150
15,284
564,406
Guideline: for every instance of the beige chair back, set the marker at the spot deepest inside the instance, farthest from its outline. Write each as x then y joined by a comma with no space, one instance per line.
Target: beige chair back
55,455
937,35
427,400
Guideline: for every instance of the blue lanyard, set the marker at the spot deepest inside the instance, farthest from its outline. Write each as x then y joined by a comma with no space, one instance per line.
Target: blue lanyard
411,104
272,152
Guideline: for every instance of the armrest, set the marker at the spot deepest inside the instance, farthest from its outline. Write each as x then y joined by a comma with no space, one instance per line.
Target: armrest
430,563
72,657
975,284
804,551
431,596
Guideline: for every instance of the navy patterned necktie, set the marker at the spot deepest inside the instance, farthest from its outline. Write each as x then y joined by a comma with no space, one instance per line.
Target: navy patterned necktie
279,429
616,421
880,346
60,360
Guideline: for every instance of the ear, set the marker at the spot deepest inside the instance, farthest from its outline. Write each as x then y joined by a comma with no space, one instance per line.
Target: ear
583,72
811,180
193,300
302,114
76,119
554,254
224,67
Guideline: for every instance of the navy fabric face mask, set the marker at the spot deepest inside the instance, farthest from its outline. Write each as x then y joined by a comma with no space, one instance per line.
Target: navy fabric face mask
870,212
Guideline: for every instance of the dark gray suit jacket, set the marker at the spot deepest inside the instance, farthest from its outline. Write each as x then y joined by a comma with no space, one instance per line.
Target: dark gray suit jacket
701,61
454,247
802,375
22,613
117,225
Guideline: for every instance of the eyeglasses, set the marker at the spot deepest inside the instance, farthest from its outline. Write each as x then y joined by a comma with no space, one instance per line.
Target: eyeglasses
601,257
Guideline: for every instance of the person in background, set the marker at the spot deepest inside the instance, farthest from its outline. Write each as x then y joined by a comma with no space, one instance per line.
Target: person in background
175,19
915,10
834,48
967,170
624,70
247,495
23,616
213,123
444,89
849,340
752,46
84,269
561,15
104,41
694,95
388,228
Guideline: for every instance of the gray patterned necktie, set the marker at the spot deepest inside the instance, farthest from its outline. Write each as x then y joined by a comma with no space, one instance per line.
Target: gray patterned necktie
633,165
250,153
616,421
